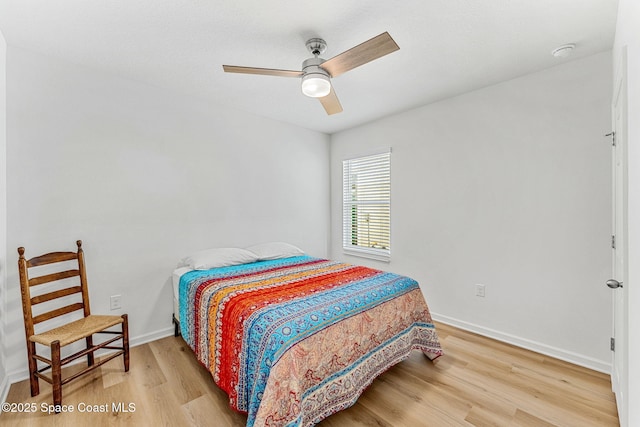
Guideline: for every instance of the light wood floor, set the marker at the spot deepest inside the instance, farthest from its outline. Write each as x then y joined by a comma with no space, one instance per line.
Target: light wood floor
479,382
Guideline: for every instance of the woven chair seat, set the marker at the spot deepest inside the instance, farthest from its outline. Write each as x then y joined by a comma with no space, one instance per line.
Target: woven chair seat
76,330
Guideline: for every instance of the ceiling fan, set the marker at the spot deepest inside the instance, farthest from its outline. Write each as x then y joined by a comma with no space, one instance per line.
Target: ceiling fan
316,72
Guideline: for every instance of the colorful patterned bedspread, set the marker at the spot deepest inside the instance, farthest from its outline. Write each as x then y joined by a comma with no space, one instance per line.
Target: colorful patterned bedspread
294,340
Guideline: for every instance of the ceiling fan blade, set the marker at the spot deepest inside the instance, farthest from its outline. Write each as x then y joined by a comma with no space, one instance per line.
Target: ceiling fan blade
331,103
262,71
374,48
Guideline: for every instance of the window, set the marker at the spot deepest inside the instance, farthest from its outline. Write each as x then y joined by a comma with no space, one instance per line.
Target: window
366,216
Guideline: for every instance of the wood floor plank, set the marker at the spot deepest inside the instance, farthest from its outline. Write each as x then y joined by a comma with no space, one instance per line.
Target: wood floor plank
397,408
479,382
449,383
523,418
481,416
175,365
199,412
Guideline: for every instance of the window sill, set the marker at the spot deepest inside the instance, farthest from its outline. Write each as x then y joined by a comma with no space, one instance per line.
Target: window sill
378,255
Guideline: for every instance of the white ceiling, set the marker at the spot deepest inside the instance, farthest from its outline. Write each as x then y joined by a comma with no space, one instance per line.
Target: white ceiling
447,47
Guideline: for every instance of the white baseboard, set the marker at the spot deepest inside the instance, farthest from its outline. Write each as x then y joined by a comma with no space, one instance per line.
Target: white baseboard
23,374
547,350
152,336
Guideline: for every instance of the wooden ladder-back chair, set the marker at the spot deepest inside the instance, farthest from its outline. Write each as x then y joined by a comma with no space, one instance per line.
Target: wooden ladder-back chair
82,328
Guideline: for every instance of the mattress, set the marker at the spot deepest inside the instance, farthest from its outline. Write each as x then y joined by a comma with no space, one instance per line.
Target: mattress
175,276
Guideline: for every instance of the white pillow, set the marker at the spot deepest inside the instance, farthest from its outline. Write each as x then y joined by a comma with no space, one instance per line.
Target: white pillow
275,250
218,257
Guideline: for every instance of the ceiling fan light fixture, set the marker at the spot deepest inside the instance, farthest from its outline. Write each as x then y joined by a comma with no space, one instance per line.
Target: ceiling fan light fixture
316,85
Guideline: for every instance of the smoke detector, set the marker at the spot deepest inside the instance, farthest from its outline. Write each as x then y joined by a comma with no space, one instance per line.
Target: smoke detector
563,51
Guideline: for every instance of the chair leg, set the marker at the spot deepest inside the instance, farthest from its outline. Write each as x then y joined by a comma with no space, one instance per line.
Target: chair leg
90,359
33,368
125,341
56,373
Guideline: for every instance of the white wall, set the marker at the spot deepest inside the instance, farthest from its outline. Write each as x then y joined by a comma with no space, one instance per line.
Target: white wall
508,186
3,213
627,36
145,177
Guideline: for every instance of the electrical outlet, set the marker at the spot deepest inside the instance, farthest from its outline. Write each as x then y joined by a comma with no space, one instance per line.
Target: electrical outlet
480,290
116,302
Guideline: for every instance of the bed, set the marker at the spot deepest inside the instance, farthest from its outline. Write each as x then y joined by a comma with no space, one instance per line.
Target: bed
293,339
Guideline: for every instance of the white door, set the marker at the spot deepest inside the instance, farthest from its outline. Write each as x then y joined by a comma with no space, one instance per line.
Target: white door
619,246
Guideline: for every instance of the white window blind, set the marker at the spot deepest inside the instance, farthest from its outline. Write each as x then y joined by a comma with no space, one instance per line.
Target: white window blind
366,205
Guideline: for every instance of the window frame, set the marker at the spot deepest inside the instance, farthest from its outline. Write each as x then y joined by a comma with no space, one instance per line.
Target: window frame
379,254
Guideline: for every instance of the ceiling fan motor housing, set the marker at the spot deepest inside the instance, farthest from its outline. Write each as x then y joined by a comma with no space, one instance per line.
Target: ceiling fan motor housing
312,66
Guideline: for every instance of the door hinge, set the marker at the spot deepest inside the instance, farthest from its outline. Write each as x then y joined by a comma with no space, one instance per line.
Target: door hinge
613,242
613,138
613,344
